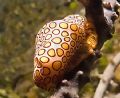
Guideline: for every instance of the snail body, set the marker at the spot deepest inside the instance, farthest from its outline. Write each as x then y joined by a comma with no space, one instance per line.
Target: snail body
59,47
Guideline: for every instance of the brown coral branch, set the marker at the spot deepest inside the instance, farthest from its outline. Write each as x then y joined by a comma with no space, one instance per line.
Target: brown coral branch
107,76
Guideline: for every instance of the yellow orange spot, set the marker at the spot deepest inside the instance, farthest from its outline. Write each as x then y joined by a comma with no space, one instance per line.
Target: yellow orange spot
44,26
42,51
64,59
91,51
37,73
64,33
45,71
52,24
60,52
37,76
73,27
48,36
78,17
92,41
43,43
57,65
80,30
71,50
56,31
47,44
77,44
74,36
56,40
68,53
51,52
46,30
44,59
67,39
79,38
88,25
64,25
72,43
65,46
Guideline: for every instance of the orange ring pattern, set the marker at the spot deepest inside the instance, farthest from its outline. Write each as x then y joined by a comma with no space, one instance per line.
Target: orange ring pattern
60,46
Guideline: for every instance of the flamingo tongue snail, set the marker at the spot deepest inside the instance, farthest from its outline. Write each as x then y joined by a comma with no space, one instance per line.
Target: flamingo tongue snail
60,46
